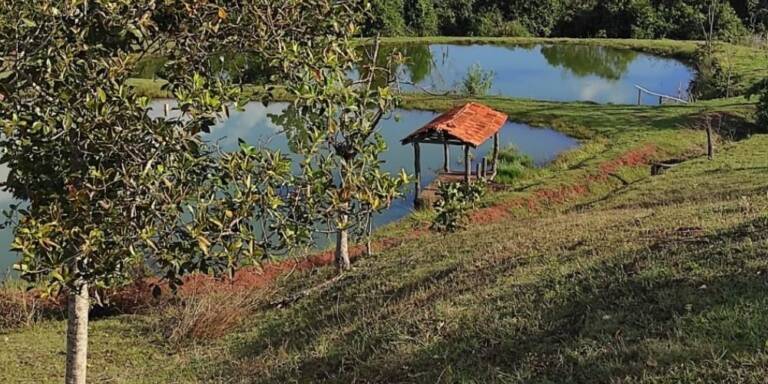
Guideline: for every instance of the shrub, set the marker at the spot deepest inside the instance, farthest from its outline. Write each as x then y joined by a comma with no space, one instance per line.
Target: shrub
477,82
761,91
207,316
386,18
714,78
420,17
21,308
454,202
493,23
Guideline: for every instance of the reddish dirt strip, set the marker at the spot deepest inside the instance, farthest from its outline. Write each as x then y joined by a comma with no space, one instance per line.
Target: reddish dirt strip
565,193
138,295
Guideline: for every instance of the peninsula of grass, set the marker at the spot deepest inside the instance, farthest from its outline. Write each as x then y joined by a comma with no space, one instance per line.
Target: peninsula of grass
744,63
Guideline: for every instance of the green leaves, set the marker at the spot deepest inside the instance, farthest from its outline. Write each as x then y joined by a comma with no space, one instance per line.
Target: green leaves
109,189
455,199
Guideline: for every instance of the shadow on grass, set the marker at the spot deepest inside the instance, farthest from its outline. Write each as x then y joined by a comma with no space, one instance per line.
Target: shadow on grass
637,313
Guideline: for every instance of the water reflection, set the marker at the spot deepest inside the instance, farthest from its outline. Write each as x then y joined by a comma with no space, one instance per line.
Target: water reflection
545,72
582,60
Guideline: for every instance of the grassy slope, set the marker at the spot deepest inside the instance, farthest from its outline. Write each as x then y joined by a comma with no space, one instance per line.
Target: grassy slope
659,280
639,279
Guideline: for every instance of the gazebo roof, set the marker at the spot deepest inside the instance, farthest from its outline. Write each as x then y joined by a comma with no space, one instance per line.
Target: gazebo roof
470,124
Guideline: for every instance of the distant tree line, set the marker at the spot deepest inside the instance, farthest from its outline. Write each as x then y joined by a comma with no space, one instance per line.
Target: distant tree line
674,19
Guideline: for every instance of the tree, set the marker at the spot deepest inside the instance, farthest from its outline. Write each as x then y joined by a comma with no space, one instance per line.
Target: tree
333,127
420,17
109,191
386,18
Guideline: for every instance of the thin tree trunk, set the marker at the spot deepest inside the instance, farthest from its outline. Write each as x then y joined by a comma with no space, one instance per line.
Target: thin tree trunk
369,235
77,335
342,247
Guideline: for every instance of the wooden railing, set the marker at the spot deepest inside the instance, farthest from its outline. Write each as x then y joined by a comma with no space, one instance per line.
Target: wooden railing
641,91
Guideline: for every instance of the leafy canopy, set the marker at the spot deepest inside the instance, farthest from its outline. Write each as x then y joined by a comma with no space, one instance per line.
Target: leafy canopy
108,190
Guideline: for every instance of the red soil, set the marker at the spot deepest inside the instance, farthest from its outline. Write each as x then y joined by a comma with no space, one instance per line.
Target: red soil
564,193
137,296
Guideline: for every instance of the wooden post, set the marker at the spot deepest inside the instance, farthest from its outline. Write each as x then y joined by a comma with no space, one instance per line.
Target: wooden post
495,153
446,158
477,171
417,168
467,164
661,100
484,168
639,96
710,144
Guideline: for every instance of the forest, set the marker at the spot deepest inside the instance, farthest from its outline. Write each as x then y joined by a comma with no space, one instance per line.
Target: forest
643,19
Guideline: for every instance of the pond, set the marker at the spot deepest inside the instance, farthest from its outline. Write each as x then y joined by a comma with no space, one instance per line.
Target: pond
564,72
255,126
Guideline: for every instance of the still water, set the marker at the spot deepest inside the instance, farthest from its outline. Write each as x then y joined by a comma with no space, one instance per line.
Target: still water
255,126
547,72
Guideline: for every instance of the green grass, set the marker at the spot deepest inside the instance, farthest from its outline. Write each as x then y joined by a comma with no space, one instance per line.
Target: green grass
513,165
653,282
635,279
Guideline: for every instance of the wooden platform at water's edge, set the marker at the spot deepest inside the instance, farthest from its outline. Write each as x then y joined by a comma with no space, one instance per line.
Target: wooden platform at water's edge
428,194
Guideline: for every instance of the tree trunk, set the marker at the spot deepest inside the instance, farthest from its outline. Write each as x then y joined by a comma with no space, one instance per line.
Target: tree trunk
342,246
369,234
77,335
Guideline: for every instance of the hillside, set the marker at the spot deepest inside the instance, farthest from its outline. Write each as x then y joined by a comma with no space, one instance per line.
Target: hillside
589,270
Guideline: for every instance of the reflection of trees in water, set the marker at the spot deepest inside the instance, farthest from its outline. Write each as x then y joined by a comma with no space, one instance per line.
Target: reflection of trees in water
418,62
582,60
422,61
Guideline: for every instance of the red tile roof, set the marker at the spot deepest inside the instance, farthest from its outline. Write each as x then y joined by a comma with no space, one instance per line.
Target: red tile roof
471,123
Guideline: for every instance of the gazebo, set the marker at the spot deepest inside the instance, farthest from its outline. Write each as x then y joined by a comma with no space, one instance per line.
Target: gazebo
469,125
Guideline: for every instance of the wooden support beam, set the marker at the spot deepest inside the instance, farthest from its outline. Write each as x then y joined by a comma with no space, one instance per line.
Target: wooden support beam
639,96
484,168
467,164
477,171
417,169
495,153
436,141
446,157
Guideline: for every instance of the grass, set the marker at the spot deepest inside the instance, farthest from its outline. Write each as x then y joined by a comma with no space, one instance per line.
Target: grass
638,279
657,281
587,270
513,165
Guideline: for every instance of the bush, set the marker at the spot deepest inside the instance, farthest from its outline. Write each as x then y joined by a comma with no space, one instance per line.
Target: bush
493,24
456,199
386,18
477,82
761,91
22,308
714,78
207,316
420,17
